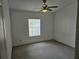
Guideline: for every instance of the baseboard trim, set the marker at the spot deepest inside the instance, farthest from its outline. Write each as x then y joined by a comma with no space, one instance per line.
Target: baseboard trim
32,43
63,43
44,41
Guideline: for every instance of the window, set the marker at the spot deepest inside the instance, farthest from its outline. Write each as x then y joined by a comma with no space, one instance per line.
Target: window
34,27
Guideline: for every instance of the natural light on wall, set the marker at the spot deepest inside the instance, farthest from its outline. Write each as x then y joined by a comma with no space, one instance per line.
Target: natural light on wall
34,27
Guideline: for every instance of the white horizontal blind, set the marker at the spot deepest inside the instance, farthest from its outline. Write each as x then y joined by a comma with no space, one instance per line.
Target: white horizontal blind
34,27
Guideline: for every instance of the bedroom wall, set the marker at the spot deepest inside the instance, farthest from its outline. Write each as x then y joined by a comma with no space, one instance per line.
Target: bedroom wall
20,26
65,24
6,51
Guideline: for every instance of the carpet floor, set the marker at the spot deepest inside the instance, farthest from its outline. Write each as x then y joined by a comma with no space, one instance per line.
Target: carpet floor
44,50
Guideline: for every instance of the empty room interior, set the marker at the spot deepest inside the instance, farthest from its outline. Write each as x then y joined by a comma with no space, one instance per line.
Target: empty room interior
39,29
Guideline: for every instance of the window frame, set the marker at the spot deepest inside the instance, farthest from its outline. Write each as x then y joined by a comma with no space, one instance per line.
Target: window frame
40,28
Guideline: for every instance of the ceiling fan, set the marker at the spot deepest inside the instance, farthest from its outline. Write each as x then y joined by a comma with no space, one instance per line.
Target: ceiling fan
46,8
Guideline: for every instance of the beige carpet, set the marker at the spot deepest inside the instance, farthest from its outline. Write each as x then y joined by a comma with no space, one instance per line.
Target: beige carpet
43,50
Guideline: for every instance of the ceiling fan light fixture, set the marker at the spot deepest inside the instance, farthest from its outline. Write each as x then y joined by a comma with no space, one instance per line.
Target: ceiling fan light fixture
44,10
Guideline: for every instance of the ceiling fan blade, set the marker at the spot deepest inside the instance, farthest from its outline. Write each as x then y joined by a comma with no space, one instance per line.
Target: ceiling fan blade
49,9
53,7
44,1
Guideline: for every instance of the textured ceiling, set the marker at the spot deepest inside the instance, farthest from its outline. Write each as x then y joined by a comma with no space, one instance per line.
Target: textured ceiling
35,5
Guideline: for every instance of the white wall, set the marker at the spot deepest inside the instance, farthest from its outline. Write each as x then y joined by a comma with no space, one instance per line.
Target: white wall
65,24
1,35
7,29
20,27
